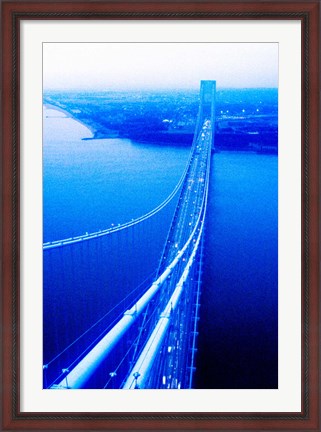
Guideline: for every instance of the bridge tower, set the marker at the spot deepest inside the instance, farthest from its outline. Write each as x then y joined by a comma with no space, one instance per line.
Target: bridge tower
207,106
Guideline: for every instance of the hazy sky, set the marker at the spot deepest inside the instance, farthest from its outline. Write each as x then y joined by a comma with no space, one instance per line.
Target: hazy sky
158,65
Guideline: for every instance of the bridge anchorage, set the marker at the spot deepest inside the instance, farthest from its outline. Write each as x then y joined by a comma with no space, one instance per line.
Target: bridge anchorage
153,343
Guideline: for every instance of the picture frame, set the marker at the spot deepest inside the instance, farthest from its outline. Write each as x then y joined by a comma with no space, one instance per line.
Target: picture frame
13,12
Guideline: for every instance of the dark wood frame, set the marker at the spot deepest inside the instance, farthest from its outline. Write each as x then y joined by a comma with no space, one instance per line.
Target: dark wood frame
308,12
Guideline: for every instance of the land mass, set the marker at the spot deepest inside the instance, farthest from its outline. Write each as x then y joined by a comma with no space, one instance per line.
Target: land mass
246,119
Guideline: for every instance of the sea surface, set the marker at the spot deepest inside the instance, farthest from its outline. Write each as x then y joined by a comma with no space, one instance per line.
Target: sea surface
238,345
93,184
90,185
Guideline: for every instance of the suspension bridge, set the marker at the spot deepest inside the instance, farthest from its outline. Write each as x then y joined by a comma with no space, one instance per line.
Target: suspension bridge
144,332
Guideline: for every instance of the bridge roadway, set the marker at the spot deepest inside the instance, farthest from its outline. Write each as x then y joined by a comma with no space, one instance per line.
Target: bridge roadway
188,221
190,201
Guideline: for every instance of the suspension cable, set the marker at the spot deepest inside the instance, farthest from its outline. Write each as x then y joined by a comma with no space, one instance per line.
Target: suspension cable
101,233
150,276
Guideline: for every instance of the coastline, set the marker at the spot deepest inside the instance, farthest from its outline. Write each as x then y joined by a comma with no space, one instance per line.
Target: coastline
161,138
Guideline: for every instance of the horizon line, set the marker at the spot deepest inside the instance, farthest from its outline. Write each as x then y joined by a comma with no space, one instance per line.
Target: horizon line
158,89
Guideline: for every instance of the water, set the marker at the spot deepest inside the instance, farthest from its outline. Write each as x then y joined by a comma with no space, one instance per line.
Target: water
238,326
89,185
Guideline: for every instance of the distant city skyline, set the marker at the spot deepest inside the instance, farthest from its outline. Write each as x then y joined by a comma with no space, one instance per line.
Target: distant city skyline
138,66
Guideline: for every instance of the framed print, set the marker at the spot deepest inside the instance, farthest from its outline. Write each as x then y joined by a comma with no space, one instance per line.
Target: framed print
160,235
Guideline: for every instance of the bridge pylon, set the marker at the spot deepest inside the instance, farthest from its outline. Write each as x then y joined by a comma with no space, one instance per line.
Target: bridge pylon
207,107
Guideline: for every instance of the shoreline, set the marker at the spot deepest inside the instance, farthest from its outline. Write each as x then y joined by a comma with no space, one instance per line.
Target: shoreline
99,134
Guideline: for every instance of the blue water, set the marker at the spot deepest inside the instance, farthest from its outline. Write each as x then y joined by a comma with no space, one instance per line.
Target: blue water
238,325
93,184
90,185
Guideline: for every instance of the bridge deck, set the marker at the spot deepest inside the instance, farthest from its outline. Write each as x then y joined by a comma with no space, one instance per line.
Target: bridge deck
188,222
